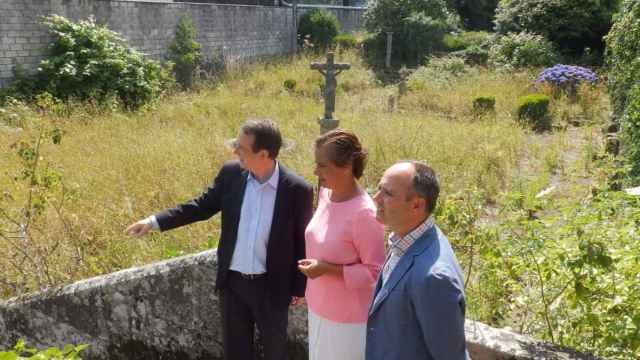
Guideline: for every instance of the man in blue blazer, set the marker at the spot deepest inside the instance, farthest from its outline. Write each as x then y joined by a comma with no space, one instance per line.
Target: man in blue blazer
418,306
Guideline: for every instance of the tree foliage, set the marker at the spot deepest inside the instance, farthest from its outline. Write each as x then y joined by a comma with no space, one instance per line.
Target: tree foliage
418,28
623,63
319,27
572,25
475,14
623,54
22,351
522,50
184,52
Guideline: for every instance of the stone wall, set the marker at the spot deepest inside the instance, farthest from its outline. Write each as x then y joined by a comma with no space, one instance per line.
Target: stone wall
239,32
235,2
168,310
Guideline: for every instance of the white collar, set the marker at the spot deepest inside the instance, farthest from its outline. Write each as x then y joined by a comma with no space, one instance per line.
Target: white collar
273,180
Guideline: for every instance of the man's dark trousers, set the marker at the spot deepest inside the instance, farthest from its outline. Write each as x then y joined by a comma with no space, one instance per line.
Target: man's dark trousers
244,303
263,301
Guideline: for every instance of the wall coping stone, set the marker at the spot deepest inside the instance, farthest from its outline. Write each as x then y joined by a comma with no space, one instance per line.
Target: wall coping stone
168,310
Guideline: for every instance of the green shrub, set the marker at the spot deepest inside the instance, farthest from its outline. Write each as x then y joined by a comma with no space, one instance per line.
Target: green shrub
581,252
345,41
184,52
623,55
572,25
21,351
474,55
88,61
318,26
521,50
533,110
441,70
418,29
374,47
419,38
465,40
447,64
21,87
631,131
623,63
484,104
472,46
290,84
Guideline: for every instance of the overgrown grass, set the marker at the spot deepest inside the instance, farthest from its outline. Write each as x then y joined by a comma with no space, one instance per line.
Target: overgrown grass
123,166
117,167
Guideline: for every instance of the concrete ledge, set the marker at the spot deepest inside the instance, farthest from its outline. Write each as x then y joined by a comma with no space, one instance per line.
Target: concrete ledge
487,343
168,310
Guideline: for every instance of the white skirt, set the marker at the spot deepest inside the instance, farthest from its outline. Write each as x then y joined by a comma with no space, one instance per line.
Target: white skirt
330,340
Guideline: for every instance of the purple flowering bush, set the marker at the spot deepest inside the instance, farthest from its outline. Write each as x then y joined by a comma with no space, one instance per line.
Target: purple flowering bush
567,79
562,74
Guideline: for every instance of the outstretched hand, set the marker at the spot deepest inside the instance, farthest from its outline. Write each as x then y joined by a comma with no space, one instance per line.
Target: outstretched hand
139,229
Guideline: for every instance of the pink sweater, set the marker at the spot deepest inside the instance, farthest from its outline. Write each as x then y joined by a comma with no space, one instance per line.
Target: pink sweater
345,233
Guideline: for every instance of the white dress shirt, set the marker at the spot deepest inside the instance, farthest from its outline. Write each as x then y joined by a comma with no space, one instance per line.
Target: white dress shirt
256,215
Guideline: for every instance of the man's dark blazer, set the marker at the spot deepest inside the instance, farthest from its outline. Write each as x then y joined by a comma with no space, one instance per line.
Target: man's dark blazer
292,212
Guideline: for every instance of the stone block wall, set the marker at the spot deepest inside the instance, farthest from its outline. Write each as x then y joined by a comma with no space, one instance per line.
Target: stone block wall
169,311
239,32
237,2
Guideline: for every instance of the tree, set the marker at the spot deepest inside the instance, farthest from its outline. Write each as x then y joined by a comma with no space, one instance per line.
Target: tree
184,51
475,14
572,25
418,28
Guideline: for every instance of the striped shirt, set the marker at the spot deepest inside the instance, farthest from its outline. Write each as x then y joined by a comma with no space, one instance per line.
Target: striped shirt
399,245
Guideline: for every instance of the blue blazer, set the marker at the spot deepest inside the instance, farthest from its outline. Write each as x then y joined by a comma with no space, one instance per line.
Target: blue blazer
419,312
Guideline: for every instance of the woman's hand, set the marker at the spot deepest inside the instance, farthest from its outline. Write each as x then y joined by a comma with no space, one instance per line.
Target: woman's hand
313,268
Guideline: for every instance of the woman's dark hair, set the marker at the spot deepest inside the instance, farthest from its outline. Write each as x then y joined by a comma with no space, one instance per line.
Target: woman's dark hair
345,150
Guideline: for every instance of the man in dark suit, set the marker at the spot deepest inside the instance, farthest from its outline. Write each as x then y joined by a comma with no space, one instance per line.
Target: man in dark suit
265,209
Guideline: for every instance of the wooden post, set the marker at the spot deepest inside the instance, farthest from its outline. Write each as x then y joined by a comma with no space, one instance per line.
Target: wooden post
294,37
387,62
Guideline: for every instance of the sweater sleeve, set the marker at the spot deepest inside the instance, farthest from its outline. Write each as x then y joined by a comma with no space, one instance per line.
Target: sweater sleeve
368,239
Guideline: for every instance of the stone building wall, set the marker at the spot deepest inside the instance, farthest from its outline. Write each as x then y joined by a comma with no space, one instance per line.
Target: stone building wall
239,32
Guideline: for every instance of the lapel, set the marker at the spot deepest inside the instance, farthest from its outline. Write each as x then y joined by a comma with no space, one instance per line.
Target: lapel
403,266
238,190
375,292
282,199
237,194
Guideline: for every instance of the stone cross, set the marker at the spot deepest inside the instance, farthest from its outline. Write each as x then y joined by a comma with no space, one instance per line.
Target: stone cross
330,70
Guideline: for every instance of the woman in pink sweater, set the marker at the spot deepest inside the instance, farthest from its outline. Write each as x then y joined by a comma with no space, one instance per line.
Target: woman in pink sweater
345,251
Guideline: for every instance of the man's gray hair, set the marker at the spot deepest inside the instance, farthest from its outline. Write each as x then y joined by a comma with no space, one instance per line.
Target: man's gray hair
424,184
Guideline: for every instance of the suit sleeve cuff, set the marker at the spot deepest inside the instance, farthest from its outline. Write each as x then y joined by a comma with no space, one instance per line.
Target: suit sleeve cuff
153,221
